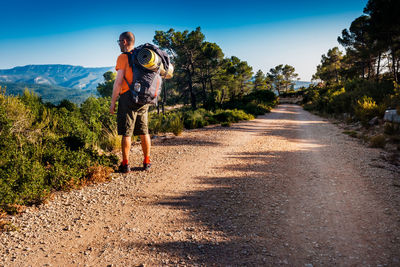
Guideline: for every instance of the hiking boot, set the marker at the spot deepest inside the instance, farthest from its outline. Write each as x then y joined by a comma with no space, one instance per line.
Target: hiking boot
124,168
146,166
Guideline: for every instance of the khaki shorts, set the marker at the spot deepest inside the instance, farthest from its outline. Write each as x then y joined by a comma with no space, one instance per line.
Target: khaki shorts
131,117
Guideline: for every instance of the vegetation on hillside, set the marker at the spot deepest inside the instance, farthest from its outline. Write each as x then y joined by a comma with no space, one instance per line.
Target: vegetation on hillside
48,93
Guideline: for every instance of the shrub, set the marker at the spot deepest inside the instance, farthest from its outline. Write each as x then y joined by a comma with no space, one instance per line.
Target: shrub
195,119
232,115
175,123
156,123
170,122
378,141
351,133
45,148
261,96
111,140
366,109
256,109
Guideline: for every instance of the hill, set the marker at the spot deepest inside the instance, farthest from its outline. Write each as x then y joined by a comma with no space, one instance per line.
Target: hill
49,93
54,82
299,84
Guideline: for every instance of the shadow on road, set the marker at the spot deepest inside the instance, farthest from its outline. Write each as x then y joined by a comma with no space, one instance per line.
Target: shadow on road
243,217
242,212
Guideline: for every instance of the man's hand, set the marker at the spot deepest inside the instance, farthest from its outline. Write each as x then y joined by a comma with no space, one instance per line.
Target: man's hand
112,108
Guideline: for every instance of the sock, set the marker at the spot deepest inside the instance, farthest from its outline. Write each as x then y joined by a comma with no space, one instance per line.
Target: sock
146,160
124,162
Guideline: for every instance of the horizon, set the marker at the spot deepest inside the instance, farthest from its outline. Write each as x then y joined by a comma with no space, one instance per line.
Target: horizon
265,34
104,67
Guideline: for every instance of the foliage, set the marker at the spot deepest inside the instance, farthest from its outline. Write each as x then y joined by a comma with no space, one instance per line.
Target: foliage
202,72
329,69
362,82
372,45
48,93
282,77
105,89
261,81
170,122
196,118
365,109
256,103
360,98
228,115
46,148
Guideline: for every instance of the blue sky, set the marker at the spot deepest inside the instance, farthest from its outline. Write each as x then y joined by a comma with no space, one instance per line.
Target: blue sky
263,33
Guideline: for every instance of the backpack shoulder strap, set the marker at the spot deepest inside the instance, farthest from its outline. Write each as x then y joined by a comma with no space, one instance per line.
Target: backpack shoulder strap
130,62
129,55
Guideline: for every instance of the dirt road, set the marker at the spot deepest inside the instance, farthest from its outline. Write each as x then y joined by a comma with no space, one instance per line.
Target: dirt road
285,189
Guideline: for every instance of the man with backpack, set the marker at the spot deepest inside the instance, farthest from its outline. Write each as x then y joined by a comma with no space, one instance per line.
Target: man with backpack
132,118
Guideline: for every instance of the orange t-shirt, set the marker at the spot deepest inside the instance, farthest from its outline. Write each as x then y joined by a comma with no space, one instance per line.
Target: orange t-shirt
123,64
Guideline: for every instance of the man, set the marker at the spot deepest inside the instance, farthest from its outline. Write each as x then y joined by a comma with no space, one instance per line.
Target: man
132,118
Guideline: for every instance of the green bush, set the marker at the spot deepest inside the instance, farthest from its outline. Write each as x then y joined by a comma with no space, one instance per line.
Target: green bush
362,98
226,124
261,96
256,109
232,116
196,118
45,148
170,122
175,123
366,108
156,123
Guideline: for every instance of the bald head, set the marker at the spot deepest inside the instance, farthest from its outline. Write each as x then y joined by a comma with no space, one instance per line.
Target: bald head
129,37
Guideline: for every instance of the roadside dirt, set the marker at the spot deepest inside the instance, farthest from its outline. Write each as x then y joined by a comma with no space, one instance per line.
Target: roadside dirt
288,188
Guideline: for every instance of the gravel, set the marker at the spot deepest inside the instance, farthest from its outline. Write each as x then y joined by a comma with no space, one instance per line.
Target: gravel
288,188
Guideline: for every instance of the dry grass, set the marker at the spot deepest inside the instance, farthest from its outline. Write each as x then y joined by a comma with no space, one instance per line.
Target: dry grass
6,226
351,133
98,174
378,141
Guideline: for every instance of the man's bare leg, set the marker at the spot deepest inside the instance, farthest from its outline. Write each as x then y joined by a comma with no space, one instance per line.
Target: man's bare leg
126,147
146,144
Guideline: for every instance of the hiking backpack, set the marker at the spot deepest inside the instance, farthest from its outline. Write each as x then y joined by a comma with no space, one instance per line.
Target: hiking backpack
146,84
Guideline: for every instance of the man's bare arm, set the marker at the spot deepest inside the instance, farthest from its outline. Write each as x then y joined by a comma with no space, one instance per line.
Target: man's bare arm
116,89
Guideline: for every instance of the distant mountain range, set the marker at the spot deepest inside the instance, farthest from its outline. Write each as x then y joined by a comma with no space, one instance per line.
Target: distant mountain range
54,82
57,82
299,84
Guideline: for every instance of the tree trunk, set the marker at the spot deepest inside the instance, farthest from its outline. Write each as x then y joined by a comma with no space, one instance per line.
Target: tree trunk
203,83
363,70
394,65
190,72
212,93
191,92
222,96
377,68
211,85
397,71
369,70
